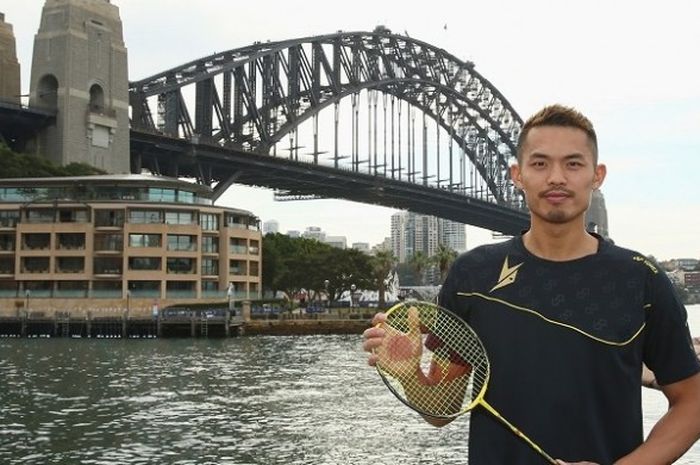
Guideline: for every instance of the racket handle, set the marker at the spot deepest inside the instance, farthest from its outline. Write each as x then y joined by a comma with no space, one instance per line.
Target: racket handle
517,432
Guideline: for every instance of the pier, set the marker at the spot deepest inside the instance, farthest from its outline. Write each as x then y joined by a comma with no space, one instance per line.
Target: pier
37,325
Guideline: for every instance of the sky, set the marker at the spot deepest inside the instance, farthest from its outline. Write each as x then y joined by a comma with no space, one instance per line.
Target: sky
630,66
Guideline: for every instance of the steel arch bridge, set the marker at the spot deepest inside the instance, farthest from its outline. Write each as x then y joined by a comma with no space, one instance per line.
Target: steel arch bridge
221,119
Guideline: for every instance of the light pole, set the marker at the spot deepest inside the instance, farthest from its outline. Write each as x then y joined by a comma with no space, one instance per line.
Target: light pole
27,293
328,297
128,302
230,295
352,295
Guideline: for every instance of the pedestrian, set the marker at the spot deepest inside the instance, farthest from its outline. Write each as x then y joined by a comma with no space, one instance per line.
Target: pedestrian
568,320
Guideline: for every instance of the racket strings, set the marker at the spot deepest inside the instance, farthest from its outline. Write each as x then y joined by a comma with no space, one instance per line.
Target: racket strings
432,360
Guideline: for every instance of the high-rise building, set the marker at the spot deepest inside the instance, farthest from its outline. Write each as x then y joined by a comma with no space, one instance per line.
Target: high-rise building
597,215
411,233
361,246
340,242
271,227
314,232
453,235
398,236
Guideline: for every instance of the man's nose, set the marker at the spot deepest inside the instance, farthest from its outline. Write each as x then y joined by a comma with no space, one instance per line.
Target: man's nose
556,175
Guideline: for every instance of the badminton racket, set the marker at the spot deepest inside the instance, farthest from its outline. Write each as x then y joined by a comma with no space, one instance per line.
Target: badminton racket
435,363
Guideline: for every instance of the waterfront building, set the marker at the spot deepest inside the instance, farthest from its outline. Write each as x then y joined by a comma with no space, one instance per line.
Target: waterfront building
115,243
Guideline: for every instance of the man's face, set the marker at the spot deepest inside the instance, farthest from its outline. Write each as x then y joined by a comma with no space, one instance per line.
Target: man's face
557,172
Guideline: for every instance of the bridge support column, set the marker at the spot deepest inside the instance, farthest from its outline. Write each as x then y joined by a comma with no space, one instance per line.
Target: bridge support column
79,68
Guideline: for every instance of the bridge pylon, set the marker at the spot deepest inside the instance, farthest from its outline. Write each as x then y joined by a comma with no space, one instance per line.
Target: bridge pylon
79,70
9,66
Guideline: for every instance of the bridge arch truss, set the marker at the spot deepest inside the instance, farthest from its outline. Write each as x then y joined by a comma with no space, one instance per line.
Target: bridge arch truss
255,99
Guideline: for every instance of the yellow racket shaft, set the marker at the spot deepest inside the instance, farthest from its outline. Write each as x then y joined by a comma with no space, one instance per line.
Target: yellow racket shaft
433,362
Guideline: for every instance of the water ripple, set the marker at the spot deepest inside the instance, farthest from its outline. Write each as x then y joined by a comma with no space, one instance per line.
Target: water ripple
252,400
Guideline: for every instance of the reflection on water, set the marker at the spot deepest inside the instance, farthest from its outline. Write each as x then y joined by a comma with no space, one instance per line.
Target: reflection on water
257,400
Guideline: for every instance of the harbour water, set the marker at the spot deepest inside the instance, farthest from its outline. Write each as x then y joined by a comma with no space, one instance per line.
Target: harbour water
250,400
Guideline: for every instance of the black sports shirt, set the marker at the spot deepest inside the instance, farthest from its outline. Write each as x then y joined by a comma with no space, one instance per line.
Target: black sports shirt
566,342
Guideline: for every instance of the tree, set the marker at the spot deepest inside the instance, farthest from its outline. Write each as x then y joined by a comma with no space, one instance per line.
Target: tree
16,165
295,264
383,264
419,262
443,259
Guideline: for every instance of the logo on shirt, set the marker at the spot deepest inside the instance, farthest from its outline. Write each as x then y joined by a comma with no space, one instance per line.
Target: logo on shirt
508,275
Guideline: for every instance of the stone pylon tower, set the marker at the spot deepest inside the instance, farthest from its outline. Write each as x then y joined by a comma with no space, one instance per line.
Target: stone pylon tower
597,215
9,66
79,68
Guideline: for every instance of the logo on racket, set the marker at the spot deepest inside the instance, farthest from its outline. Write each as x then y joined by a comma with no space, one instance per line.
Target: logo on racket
508,275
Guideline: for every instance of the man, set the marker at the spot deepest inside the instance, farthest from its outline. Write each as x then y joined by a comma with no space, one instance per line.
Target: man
568,321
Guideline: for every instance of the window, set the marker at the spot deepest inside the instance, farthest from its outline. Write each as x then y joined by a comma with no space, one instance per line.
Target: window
185,197
210,285
144,240
181,265
236,221
254,248
210,266
109,218
7,265
109,242
210,244
145,216
254,268
107,265
9,218
70,265
172,217
182,242
238,246
7,242
209,221
36,241
72,216
156,194
35,265
36,215
71,241
144,263
237,267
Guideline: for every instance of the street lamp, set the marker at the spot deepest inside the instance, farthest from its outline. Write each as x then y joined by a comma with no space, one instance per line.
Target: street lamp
352,295
328,297
230,295
27,293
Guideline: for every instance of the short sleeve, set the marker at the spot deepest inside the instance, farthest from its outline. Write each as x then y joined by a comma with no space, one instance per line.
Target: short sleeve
668,347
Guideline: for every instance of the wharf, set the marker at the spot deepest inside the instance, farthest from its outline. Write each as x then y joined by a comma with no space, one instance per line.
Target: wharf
138,328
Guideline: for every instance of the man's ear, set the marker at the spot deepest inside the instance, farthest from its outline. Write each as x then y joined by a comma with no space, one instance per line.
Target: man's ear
600,171
515,175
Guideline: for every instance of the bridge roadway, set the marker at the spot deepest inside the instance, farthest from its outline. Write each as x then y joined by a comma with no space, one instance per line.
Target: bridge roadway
212,163
177,157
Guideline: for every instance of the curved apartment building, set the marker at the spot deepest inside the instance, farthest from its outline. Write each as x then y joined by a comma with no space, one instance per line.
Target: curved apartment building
104,245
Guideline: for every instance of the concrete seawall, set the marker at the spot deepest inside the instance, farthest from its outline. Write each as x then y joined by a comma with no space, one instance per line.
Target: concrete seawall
300,327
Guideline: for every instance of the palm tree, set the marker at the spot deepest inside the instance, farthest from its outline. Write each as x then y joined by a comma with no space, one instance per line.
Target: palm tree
383,264
419,262
443,259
